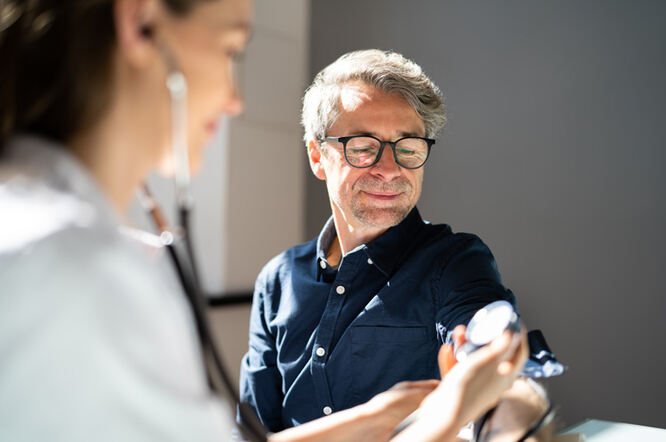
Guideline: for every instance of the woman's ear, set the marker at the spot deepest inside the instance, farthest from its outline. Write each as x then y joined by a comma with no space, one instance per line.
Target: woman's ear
135,25
314,156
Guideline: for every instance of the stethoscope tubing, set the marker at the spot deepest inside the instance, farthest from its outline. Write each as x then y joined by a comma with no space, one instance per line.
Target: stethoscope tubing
180,251
250,424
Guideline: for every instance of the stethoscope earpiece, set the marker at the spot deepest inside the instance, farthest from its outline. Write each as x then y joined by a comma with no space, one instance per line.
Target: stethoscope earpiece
146,31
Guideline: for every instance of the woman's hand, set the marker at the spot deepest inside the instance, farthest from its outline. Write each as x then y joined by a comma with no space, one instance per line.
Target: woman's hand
468,388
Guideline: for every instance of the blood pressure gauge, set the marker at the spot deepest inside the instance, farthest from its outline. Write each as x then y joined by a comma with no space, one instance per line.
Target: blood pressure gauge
486,325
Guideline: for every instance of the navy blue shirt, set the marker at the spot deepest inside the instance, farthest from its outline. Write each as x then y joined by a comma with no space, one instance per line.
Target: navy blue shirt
323,339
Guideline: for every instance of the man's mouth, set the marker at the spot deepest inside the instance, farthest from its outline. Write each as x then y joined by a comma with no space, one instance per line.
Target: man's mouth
378,190
386,196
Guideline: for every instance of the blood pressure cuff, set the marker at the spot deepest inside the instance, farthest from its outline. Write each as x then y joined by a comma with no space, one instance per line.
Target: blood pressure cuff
542,362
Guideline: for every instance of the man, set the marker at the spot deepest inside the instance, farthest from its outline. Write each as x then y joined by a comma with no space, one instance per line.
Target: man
369,302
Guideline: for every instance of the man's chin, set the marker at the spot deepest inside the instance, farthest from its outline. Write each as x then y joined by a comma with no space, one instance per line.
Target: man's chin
383,217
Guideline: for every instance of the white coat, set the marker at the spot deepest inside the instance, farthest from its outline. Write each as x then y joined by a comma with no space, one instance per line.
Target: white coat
97,341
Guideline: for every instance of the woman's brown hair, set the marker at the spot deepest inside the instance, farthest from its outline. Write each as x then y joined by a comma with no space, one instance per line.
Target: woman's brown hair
55,64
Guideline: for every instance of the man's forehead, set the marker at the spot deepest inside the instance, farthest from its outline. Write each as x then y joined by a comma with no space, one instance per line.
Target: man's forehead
356,94
352,95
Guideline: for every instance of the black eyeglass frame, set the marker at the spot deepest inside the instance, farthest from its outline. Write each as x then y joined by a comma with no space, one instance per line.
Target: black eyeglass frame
344,141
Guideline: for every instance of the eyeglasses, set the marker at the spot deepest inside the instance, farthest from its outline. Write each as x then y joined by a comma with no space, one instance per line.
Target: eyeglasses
363,151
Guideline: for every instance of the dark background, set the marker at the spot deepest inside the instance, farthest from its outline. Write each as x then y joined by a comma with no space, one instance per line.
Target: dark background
553,154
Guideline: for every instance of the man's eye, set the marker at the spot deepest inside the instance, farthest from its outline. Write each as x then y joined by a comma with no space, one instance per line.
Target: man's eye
362,150
406,152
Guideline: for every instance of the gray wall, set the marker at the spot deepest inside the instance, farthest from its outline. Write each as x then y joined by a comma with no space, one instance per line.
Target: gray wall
553,154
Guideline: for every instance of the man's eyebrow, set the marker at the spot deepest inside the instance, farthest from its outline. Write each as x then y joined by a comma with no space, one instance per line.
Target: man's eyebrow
409,134
401,134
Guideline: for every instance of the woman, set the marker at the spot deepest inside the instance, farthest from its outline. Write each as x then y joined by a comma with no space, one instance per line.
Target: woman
97,340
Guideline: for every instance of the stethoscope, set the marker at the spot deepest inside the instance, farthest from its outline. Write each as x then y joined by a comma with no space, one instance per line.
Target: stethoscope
178,244
179,247
487,324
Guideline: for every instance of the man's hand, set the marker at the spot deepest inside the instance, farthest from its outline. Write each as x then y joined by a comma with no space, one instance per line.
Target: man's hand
398,402
518,409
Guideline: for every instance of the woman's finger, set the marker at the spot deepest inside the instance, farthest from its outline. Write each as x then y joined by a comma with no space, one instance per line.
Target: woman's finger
517,355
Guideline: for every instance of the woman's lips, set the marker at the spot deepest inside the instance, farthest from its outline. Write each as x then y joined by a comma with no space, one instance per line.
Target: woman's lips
212,125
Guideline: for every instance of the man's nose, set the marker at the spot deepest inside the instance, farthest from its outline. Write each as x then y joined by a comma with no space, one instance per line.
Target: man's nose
386,167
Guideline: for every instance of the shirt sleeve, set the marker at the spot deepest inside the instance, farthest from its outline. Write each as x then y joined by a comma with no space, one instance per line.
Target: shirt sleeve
467,280
260,379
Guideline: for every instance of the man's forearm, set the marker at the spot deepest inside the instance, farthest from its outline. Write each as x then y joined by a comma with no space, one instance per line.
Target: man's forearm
357,423
374,420
518,409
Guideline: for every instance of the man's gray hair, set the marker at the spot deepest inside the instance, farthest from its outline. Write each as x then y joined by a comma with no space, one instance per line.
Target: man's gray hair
387,71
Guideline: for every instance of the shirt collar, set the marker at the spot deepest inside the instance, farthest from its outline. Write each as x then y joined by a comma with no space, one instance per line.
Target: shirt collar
388,249
324,241
384,251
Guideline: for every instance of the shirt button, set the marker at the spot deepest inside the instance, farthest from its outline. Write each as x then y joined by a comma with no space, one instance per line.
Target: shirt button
369,261
322,264
327,410
321,351
340,290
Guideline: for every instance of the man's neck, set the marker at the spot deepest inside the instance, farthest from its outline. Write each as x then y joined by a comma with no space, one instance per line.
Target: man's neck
349,236
334,253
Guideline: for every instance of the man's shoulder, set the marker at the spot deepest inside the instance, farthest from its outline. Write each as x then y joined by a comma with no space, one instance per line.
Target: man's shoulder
440,244
443,235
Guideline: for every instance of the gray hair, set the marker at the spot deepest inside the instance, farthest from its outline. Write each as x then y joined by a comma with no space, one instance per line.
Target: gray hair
387,71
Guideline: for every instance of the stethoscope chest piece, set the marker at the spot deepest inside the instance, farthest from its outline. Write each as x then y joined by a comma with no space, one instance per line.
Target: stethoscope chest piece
488,324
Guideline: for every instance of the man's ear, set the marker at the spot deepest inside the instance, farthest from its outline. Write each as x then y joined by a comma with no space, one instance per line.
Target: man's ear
135,21
314,156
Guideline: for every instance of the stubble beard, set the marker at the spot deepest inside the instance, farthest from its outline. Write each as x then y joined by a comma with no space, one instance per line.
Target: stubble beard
381,214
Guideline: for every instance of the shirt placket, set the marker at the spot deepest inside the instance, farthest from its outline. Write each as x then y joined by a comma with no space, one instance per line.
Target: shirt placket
324,336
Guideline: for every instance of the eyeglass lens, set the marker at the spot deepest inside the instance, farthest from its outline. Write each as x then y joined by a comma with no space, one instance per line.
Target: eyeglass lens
410,152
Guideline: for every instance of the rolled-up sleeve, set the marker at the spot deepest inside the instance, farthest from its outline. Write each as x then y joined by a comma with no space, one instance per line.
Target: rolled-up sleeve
467,280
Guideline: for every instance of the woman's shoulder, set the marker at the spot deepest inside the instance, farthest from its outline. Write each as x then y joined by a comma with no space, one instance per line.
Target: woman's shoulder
63,243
